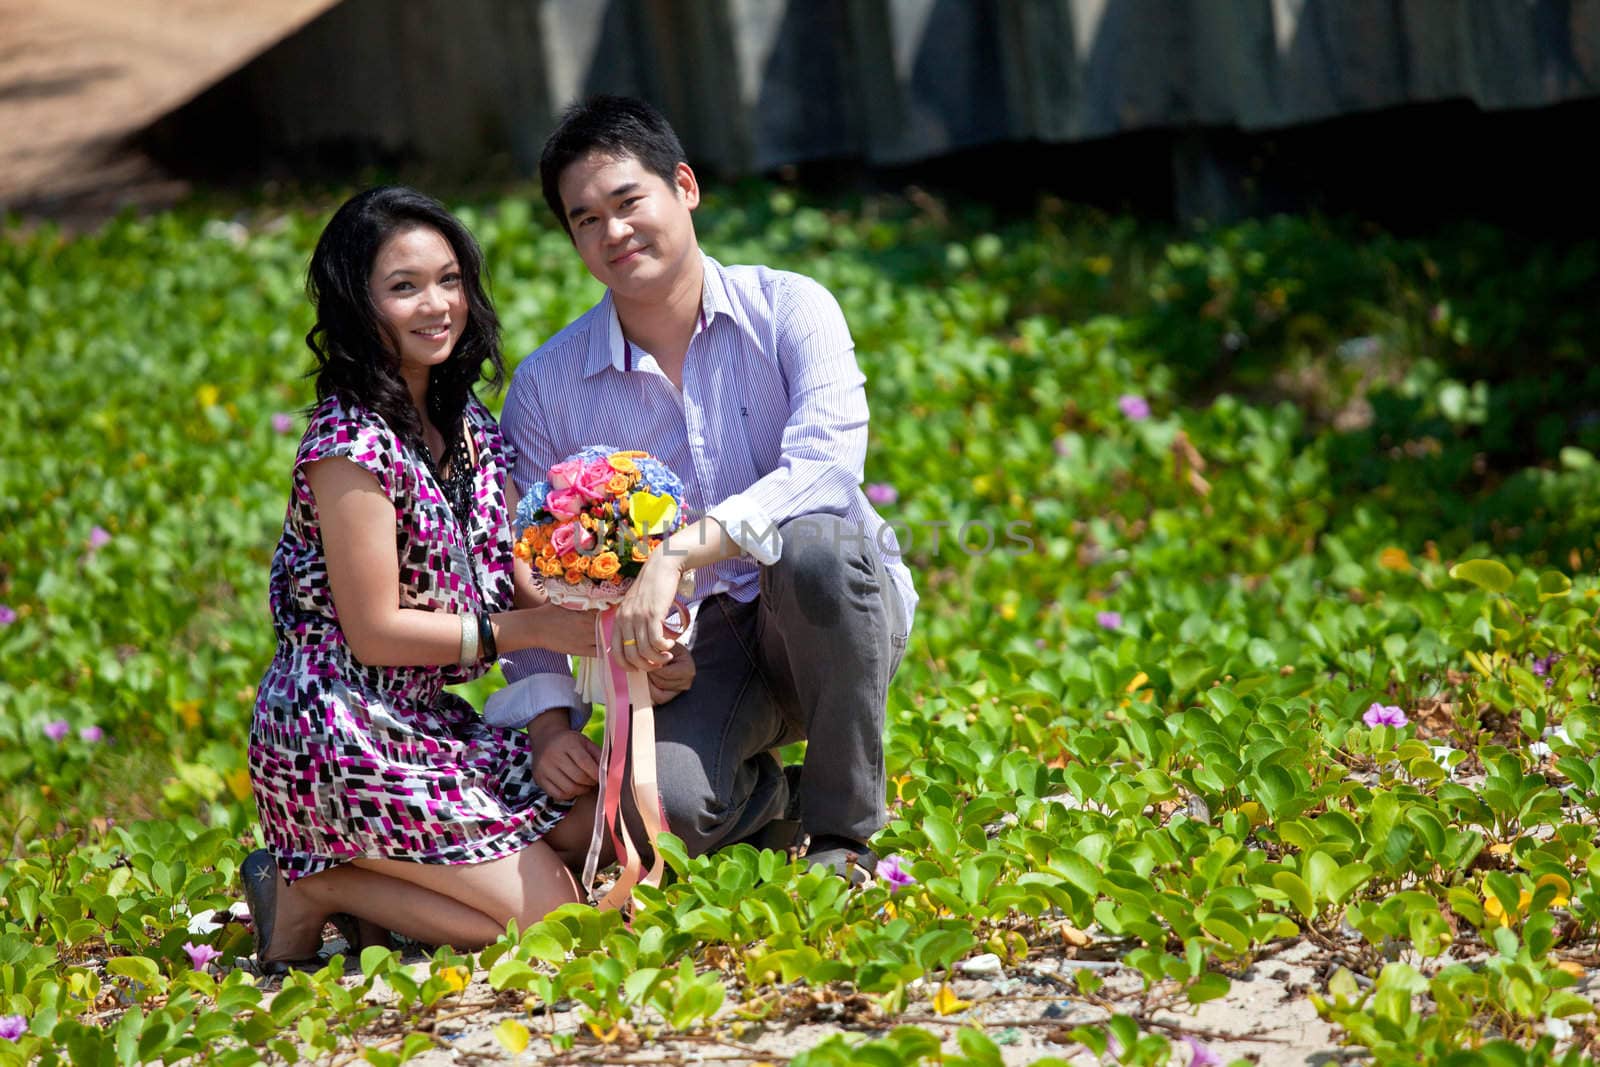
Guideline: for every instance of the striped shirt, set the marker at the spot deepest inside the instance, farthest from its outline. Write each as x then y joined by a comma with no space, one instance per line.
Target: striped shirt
771,423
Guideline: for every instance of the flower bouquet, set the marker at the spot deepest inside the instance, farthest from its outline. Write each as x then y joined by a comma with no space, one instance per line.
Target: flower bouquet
587,531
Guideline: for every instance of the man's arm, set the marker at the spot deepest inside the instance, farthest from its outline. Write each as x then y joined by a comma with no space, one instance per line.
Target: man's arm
824,446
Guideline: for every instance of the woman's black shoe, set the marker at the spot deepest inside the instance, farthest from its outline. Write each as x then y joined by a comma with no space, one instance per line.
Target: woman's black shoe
259,875
358,934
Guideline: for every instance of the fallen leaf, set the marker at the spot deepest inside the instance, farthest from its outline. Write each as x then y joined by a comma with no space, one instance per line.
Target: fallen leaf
945,1002
512,1035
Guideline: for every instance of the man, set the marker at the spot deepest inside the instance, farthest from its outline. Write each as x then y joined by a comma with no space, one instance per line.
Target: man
744,381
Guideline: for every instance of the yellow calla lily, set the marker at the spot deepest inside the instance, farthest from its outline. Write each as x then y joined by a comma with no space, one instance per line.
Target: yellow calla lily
652,513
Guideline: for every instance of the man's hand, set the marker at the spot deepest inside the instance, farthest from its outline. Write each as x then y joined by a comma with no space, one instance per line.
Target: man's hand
676,677
566,764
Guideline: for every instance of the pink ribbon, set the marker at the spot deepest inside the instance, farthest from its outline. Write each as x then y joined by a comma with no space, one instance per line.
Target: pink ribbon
630,725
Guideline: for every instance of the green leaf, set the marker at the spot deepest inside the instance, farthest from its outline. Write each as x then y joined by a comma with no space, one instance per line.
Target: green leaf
1347,880
1487,574
1297,891
1553,584
1208,986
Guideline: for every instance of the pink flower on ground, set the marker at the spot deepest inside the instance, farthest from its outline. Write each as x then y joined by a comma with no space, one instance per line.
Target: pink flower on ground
200,955
591,481
882,493
1109,620
12,1027
1133,407
7,615
282,422
1384,715
98,538
564,503
92,734
57,729
565,473
1200,1055
1062,446
894,876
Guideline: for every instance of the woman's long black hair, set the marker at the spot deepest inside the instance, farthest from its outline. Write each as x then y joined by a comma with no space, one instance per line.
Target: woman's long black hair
355,352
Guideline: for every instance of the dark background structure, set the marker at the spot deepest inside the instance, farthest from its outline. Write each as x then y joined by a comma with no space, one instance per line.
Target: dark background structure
1206,108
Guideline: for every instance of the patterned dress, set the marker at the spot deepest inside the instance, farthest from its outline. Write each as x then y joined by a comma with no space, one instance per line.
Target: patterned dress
349,761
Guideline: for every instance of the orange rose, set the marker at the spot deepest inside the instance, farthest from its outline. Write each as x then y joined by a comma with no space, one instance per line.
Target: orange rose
639,552
618,484
522,551
547,567
604,565
574,576
574,562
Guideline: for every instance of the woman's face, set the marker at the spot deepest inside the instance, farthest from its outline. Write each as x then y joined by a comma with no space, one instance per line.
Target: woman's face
416,286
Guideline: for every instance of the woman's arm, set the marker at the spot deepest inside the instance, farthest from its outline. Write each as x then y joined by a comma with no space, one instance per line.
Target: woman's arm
358,542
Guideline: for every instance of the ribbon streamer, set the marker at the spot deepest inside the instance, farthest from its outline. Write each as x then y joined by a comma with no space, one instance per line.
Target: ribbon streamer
630,726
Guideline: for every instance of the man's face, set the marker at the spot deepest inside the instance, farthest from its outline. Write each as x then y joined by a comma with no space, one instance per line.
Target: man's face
632,229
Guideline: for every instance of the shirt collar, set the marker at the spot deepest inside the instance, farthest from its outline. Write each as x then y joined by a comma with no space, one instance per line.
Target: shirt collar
607,346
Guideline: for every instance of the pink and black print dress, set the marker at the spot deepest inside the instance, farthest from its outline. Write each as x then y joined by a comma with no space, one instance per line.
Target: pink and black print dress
349,761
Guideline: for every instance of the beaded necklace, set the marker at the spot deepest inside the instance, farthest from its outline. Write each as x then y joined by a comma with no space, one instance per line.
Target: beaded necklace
453,472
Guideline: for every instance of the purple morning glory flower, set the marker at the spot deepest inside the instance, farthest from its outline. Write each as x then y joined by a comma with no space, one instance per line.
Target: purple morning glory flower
12,1027
7,615
99,538
282,422
1384,715
1133,406
882,493
1109,620
57,729
1200,1055
894,875
200,955
92,734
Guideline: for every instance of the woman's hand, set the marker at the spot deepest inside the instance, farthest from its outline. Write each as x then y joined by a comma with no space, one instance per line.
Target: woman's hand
639,637
565,630
555,629
676,677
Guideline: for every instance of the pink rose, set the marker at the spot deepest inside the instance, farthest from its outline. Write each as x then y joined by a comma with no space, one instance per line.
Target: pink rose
570,537
592,481
566,473
564,503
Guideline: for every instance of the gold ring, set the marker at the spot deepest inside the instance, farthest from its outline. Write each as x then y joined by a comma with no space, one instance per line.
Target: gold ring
630,641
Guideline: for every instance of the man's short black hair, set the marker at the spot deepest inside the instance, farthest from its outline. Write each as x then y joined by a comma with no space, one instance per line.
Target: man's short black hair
615,126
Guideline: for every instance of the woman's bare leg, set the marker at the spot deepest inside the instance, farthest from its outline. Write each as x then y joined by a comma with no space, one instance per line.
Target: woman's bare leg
570,837
526,886
462,905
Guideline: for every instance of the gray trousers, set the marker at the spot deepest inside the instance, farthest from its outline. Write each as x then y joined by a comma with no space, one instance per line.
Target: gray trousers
811,658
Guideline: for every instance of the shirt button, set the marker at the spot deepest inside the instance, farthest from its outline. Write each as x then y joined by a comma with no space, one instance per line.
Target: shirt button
699,441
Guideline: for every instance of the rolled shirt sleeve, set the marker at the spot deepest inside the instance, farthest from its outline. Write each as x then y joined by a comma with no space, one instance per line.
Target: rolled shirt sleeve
824,444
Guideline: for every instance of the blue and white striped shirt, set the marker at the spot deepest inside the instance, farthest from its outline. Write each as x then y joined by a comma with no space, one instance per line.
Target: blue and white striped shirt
771,424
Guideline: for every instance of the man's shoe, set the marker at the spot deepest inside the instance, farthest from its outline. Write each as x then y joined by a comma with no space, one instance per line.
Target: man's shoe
850,860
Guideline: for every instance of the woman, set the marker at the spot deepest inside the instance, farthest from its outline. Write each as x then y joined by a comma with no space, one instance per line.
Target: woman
380,795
